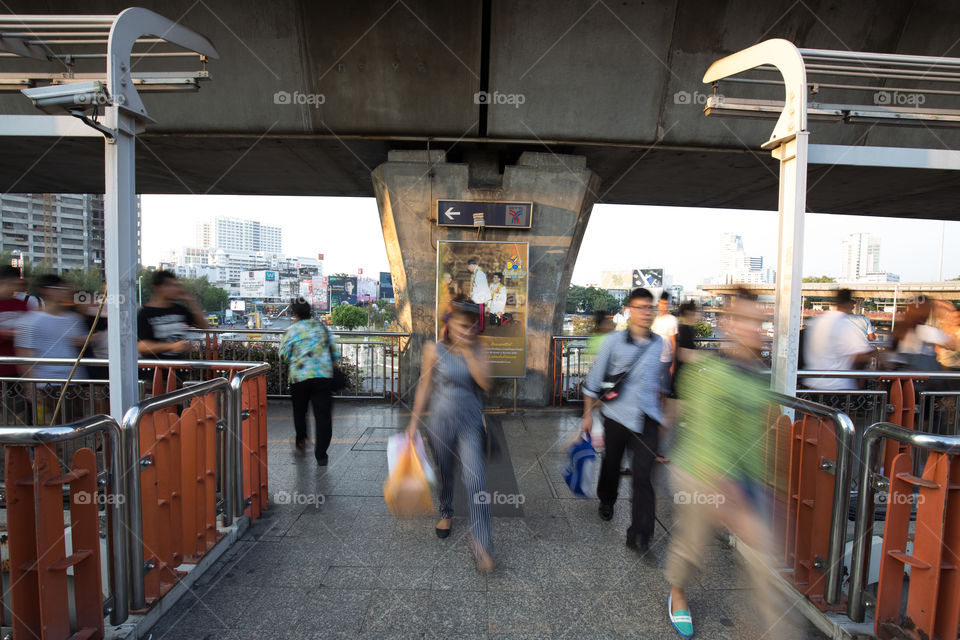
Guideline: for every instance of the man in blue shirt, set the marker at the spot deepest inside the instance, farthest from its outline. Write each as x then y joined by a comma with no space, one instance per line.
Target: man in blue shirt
625,382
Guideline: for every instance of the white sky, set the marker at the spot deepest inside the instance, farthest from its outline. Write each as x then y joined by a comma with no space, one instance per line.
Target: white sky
682,241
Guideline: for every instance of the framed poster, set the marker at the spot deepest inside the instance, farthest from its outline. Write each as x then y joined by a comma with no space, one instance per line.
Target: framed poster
343,290
494,275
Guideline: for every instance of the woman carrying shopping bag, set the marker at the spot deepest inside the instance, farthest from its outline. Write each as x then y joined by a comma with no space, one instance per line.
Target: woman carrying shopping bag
452,375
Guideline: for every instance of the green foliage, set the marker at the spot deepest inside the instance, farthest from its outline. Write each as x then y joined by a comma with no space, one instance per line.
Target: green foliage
348,316
822,279
702,329
211,298
590,299
89,280
383,315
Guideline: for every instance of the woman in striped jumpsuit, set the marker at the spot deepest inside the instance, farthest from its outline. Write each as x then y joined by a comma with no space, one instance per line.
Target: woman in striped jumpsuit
453,373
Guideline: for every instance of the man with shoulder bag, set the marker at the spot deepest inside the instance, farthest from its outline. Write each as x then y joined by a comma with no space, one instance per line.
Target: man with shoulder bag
625,382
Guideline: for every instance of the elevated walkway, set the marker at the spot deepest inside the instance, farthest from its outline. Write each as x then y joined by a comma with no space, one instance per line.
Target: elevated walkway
329,561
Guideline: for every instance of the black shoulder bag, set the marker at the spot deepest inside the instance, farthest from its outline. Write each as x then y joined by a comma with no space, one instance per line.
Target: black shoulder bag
612,383
339,377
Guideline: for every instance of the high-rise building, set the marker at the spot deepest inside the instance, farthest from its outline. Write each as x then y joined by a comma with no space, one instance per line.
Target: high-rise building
737,267
59,231
234,234
860,255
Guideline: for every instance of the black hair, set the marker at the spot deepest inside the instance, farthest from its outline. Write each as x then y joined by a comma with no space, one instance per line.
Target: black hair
301,310
844,296
499,275
640,294
742,293
161,277
599,316
472,261
49,280
8,271
688,307
463,307
665,296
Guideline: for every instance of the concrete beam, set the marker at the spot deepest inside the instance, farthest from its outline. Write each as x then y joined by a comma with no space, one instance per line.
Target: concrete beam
563,191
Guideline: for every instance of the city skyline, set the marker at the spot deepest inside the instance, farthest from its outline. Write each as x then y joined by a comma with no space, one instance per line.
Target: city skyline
347,231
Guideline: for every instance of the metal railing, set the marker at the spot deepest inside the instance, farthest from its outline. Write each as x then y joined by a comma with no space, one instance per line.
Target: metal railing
870,481
124,450
370,359
842,469
117,539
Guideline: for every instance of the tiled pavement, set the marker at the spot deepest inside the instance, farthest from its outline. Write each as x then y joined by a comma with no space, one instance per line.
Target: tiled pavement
345,568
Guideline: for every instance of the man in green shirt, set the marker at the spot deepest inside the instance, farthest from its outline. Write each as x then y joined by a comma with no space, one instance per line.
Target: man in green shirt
718,462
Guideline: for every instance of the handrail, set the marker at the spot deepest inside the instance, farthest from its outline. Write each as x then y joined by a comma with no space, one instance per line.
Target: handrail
233,465
102,362
130,439
336,332
118,508
843,471
863,528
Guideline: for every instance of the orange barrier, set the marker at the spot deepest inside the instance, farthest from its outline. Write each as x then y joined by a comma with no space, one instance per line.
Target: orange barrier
902,400
809,506
178,489
40,588
933,594
254,446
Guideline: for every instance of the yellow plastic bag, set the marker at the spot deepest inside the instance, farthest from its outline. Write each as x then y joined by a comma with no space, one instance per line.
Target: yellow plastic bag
406,490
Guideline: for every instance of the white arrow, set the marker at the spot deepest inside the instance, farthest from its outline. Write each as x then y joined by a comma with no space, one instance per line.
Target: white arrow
450,213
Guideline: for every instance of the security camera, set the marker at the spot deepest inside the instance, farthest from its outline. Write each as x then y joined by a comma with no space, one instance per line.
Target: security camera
71,98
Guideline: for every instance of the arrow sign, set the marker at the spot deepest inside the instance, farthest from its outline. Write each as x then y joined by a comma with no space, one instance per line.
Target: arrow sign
502,214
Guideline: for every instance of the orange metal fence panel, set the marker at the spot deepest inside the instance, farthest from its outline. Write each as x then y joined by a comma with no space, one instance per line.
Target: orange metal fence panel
254,443
40,589
85,532
933,599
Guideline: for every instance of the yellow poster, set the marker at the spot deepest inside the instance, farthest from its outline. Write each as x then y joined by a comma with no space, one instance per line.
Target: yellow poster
494,276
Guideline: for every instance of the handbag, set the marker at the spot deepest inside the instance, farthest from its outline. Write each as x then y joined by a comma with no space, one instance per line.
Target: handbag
339,379
582,469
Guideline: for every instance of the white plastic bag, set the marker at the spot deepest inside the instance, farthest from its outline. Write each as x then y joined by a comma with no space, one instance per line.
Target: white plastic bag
398,443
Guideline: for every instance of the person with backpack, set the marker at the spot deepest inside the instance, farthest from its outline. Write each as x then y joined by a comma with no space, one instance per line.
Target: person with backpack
311,351
625,381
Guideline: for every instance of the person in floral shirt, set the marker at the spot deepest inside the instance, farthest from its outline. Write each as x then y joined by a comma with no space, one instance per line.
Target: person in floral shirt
311,351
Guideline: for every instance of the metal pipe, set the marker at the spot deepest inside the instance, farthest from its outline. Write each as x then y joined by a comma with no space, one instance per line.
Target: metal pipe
130,442
843,472
233,503
863,527
32,436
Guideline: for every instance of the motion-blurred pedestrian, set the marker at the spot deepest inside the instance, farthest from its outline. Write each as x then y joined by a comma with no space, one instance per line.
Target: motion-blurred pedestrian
453,373
625,382
311,351
717,470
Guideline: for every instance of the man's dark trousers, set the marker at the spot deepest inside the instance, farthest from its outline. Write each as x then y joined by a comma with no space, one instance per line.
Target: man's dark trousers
644,446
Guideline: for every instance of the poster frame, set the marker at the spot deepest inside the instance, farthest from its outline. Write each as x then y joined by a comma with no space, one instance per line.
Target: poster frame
526,296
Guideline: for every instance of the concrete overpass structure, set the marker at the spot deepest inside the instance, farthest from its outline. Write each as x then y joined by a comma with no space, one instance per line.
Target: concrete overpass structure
562,104
864,290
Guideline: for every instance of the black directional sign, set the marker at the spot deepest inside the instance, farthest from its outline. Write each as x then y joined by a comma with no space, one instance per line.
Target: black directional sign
469,213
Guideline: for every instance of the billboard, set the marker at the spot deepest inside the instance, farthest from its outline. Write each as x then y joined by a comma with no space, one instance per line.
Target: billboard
238,305
497,281
343,290
319,287
648,278
367,289
386,286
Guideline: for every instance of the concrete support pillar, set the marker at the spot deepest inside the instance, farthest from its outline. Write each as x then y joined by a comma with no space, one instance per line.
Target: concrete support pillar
562,190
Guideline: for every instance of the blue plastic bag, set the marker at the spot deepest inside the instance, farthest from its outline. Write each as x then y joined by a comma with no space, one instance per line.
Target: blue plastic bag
583,467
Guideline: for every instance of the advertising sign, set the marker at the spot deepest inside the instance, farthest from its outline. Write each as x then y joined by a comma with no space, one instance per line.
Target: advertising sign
319,287
386,286
648,278
470,213
367,289
343,290
238,305
493,275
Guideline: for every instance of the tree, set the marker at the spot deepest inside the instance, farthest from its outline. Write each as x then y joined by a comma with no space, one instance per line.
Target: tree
211,298
822,279
590,299
702,329
89,281
349,316
383,313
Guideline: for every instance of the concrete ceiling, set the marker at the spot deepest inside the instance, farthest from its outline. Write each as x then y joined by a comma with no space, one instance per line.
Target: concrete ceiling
607,80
